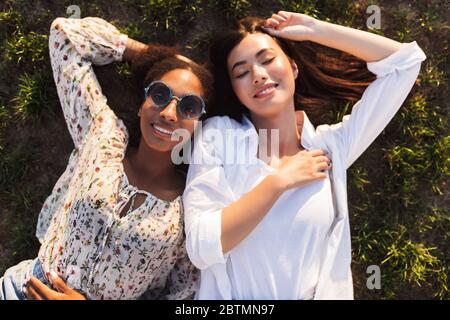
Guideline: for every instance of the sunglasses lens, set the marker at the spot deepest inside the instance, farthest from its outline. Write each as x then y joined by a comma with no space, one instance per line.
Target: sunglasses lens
160,94
191,106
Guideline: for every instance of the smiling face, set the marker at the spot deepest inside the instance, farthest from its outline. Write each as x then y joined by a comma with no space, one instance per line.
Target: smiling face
158,124
262,75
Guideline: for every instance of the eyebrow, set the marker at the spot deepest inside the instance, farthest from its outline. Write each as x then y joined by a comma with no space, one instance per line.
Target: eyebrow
260,52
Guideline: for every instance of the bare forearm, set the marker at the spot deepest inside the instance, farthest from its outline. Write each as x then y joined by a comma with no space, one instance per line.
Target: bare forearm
240,218
133,49
362,44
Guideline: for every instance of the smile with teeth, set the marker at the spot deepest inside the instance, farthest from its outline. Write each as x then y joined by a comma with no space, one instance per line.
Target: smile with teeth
269,89
162,130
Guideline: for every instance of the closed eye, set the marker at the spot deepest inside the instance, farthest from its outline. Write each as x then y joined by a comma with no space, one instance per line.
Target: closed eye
242,74
268,61
264,63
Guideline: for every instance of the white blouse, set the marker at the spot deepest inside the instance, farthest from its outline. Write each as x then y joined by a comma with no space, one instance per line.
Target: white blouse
84,238
302,247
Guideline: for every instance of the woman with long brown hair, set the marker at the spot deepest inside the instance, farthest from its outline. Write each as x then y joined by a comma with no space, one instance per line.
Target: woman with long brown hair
266,228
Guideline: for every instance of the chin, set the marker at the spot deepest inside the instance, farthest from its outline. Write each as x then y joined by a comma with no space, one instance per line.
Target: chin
158,145
268,110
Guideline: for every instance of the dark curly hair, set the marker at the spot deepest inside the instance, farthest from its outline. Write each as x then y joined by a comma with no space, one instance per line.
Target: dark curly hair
151,65
126,94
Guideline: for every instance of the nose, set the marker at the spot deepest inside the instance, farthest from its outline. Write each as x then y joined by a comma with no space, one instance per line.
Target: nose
169,113
259,75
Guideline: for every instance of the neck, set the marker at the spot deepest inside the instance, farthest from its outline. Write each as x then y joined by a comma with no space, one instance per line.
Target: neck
288,134
151,163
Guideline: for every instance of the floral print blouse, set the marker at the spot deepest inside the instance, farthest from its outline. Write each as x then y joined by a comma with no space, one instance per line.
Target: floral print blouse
83,237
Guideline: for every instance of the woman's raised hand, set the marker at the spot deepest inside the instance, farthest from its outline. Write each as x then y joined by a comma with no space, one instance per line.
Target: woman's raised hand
303,168
292,26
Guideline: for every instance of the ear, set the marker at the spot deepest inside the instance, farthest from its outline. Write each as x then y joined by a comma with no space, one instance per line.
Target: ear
294,68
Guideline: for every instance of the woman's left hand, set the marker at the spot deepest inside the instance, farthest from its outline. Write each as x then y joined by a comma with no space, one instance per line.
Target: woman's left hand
292,26
36,290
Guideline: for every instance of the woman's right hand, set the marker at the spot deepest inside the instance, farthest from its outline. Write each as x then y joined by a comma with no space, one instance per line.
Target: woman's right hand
302,168
243,215
36,290
292,26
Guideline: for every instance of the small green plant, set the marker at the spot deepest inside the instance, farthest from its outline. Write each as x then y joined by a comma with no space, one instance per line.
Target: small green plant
167,15
124,70
31,48
433,75
3,114
237,8
134,31
306,7
10,21
14,165
412,261
34,97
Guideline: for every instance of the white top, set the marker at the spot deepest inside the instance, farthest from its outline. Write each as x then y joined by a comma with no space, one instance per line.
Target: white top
83,237
302,247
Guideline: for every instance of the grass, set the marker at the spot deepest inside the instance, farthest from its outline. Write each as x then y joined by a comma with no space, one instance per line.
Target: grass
34,96
398,190
22,48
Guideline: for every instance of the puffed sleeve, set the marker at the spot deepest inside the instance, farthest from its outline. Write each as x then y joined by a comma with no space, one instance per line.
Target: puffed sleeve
207,192
396,75
74,45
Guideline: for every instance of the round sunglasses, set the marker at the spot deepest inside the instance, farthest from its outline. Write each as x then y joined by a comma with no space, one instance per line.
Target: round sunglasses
189,106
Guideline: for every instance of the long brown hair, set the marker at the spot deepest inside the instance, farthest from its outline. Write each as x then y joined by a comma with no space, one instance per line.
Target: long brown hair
326,80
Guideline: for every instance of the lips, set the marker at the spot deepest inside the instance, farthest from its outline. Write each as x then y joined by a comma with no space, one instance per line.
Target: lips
265,90
161,130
